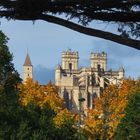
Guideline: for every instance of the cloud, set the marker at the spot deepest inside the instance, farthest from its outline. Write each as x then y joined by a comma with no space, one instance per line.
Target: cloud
117,50
43,75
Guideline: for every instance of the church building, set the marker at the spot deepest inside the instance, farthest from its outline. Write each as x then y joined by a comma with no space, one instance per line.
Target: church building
78,86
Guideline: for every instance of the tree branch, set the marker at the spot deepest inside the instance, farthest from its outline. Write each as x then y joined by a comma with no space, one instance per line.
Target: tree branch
76,27
92,32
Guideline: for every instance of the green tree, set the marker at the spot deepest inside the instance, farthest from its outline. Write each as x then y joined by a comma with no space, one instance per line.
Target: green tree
8,92
58,123
33,121
125,14
8,75
129,127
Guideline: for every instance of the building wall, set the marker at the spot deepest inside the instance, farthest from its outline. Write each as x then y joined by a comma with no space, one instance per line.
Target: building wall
57,77
68,58
99,59
28,72
87,83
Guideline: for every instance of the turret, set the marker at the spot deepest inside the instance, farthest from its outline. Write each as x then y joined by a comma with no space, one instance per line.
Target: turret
121,72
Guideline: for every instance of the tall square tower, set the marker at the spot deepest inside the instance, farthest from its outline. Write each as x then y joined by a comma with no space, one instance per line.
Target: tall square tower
99,61
70,60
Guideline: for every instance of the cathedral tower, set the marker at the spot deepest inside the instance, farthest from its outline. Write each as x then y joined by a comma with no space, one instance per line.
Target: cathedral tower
99,60
28,68
70,60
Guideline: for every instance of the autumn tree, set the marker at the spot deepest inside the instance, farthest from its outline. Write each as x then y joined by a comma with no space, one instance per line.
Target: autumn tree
60,119
102,121
38,114
78,14
129,127
33,92
65,123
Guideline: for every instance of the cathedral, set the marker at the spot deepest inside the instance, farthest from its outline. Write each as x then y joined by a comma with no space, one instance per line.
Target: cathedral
79,86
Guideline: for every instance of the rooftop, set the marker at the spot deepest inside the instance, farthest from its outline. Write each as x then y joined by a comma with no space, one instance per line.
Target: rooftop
27,61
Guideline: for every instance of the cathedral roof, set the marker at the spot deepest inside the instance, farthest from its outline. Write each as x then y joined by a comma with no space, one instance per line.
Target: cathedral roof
27,61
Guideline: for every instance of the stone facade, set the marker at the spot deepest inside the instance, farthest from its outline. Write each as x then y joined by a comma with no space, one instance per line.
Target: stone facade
80,83
84,83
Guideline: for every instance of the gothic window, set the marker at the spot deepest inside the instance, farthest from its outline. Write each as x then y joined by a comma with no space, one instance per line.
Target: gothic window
64,74
99,66
28,75
88,99
70,66
66,98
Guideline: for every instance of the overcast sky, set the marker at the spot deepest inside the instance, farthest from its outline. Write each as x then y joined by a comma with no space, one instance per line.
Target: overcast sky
45,43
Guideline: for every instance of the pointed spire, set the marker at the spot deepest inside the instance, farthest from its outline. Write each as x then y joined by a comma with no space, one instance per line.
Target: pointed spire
27,61
58,67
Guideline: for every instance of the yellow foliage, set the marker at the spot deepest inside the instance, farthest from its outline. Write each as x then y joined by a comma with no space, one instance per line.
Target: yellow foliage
103,120
62,118
31,91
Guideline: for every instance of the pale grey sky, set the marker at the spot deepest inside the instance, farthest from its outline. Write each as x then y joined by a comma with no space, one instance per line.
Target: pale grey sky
45,43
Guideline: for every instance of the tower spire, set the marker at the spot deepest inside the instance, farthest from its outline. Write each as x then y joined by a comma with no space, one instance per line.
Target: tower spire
27,60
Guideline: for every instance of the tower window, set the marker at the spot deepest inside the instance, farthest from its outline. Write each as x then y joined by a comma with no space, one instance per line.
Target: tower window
98,66
70,66
28,75
27,68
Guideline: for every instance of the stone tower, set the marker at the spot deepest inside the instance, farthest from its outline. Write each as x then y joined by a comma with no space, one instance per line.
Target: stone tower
28,68
58,75
121,72
70,60
99,61
84,83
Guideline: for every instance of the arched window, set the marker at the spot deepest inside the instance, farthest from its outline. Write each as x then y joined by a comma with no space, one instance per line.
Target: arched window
98,66
70,66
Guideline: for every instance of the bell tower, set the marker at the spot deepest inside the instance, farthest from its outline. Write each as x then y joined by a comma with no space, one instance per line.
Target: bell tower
70,60
99,61
28,68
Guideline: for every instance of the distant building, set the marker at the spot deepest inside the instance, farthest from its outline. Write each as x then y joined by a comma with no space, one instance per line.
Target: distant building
80,83
86,83
28,68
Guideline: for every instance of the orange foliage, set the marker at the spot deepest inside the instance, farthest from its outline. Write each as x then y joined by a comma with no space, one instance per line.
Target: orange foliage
32,92
102,121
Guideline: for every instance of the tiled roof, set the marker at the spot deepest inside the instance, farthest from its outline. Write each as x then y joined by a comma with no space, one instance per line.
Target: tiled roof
27,61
